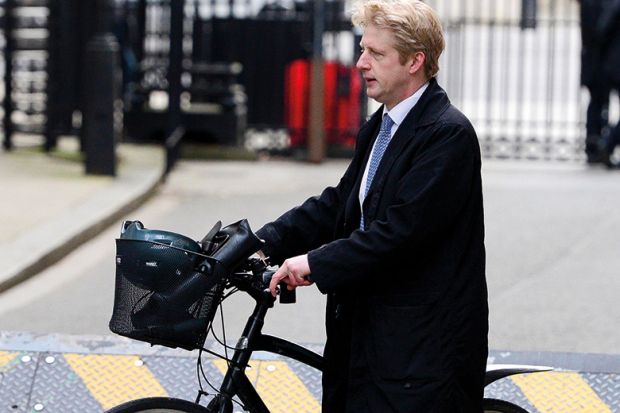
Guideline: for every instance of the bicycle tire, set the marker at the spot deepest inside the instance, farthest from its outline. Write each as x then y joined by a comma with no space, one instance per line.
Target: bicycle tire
159,405
500,406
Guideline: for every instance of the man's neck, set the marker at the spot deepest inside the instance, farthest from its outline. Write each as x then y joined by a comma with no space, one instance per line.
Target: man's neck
416,83
400,111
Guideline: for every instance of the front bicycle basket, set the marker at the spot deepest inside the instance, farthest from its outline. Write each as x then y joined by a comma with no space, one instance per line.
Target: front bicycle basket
152,267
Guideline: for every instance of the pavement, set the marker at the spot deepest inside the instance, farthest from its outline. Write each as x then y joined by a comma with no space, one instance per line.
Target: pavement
50,206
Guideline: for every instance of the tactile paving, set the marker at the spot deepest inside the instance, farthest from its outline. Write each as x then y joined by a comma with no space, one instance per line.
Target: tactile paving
114,379
178,375
78,383
18,373
57,388
279,387
506,389
607,386
553,391
310,376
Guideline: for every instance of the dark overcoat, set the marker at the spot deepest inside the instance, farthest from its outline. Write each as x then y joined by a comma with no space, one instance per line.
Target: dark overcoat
608,31
591,69
407,315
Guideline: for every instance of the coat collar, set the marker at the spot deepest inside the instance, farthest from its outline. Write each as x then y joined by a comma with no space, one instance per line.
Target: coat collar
427,110
432,104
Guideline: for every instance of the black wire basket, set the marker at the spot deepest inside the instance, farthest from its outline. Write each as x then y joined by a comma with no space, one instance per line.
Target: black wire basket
161,296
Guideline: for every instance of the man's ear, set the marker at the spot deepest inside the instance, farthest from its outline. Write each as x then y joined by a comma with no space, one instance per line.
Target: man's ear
417,62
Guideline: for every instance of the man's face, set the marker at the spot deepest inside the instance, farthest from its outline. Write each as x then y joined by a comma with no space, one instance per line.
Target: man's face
388,81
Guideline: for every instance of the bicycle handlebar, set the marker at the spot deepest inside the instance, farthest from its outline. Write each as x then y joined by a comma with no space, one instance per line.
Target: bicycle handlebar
255,279
227,250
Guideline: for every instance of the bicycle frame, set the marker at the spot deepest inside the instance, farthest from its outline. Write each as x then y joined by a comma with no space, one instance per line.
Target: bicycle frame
252,339
254,278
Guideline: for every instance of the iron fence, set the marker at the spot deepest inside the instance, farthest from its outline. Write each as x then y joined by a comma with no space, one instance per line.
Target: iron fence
259,39
513,67
24,41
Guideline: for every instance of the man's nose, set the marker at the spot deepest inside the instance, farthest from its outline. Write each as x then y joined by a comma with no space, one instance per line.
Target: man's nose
362,62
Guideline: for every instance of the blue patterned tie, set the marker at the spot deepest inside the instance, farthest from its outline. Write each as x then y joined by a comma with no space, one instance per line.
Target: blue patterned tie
383,139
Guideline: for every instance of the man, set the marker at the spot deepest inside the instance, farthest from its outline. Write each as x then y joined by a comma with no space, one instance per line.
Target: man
593,78
398,248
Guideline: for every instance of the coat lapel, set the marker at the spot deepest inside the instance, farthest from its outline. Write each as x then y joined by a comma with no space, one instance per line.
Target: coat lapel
432,103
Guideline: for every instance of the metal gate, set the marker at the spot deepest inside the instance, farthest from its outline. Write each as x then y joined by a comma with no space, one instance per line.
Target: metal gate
255,41
25,33
513,67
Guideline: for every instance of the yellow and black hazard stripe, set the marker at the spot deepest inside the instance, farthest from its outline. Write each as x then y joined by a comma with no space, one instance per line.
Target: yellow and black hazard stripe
109,380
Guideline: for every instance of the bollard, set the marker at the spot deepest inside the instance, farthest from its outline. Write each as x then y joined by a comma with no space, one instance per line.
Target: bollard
101,90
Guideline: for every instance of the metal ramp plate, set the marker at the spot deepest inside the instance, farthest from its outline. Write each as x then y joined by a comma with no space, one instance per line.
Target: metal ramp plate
89,380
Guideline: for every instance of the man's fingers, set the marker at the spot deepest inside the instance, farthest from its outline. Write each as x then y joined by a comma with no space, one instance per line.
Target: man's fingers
292,274
272,288
275,280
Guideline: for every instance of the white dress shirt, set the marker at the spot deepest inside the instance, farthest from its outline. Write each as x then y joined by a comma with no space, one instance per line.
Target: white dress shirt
398,114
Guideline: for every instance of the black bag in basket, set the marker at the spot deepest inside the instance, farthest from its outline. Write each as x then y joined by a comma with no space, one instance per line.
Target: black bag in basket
167,288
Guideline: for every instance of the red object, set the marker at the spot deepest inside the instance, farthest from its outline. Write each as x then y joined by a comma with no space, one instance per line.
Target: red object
342,87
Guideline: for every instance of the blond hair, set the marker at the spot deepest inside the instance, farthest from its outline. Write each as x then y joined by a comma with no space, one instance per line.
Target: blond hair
415,25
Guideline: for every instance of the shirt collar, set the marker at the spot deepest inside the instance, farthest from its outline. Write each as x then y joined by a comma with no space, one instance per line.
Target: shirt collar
398,112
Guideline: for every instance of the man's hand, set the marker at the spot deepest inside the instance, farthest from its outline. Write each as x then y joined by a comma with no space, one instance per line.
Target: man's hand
292,272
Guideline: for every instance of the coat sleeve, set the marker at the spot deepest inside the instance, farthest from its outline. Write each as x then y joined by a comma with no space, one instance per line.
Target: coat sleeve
309,225
438,185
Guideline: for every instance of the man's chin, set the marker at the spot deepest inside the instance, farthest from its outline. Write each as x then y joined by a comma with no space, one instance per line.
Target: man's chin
371,94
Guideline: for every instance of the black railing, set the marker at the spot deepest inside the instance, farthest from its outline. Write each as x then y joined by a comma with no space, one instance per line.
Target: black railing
25,32
512,66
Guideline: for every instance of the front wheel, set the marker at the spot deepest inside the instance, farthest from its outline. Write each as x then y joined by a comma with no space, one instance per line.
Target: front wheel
500,406
159,405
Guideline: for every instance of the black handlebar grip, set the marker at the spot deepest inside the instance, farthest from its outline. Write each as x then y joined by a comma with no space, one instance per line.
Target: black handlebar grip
287,296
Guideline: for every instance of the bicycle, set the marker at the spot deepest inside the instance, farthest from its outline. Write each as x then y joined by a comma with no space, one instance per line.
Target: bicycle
168,288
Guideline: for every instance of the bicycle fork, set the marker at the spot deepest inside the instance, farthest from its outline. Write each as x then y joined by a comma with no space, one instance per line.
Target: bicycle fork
235,381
